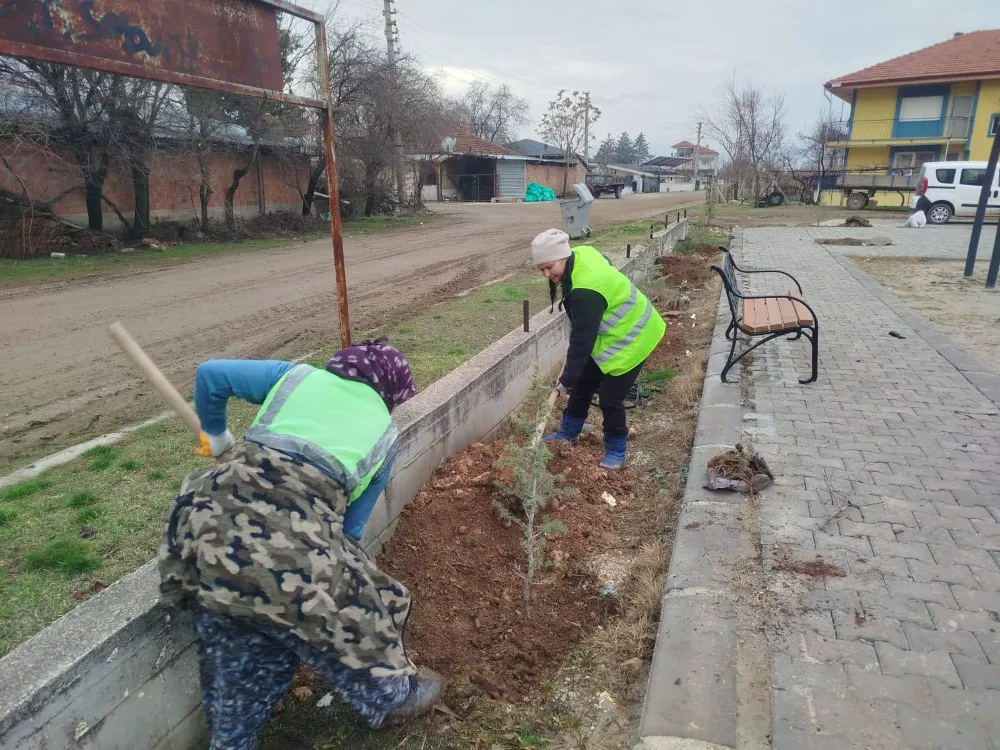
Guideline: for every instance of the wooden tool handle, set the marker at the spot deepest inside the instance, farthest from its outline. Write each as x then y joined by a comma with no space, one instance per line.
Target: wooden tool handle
156,378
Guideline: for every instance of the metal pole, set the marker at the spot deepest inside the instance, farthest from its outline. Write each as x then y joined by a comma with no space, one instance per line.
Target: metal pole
628,250
333,184
697,148
527,316
984,198
390,42
991,276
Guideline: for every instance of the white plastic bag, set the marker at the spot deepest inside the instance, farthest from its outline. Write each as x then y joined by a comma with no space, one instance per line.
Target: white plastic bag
917,219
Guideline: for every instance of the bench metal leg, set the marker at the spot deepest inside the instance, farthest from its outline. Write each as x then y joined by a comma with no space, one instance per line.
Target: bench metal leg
810,333
731,332
814,339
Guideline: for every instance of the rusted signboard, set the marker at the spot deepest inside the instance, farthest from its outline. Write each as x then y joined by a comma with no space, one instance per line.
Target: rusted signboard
224,45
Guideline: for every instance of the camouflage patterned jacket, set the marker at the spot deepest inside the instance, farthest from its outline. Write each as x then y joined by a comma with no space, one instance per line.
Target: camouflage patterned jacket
261,536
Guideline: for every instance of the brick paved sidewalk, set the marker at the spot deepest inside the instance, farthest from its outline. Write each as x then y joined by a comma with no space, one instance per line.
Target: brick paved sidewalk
900,649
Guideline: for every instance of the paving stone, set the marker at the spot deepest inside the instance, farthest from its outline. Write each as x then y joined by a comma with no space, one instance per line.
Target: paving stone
927,592
925,573
784,736
957,642
987,580
948,620
990,643
975,674
880,530
963,703
862,625
789,673
923,731
904,610
895,689
948,555
974,600
976,541
958,523
936,665
915,551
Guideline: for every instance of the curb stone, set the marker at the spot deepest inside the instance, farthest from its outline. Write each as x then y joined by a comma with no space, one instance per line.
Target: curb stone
690,701
971,368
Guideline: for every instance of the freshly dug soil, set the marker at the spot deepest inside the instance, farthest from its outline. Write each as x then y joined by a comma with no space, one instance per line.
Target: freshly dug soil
464,568
817,568
857,221
848,241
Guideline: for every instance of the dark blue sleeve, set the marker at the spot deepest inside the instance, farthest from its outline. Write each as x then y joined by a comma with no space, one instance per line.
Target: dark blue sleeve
218,380
360,510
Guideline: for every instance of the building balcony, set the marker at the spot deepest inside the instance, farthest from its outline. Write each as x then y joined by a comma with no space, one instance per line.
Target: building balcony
847,134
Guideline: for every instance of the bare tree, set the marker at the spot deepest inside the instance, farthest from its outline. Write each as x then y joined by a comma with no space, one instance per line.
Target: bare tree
563,125
749,124
495,114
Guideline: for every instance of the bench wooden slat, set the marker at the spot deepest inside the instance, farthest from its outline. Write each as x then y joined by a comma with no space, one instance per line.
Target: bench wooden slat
802,313
774,314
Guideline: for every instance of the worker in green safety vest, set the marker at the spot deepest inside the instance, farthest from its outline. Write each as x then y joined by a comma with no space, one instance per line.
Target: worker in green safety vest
613,329
264,550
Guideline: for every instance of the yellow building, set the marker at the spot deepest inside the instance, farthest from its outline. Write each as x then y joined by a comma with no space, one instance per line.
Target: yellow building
940,103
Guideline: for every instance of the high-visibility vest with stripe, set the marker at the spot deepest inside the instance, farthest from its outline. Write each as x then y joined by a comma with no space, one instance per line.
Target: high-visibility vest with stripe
631,327
341,426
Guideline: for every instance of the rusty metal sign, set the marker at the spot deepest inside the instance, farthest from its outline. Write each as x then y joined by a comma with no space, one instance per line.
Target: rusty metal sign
223,45
226,45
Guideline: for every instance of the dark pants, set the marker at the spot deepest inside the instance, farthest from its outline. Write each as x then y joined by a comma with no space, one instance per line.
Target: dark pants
245,669
612,390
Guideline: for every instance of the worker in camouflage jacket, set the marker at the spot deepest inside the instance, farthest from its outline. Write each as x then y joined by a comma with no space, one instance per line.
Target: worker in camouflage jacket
263,549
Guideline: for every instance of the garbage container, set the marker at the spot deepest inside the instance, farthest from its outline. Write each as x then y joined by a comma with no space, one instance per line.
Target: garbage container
576,212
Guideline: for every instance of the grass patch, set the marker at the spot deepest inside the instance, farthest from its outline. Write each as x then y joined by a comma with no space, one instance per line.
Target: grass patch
24,489
83,499
87,515
126,509
129,464
7,517
663,375
53,269
70,557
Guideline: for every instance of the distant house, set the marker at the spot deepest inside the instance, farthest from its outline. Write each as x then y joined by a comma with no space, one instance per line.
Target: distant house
708,159
466,168
639,178
547,165
940,103
675,172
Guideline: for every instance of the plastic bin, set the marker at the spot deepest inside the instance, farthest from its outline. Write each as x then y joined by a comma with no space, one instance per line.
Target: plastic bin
576,212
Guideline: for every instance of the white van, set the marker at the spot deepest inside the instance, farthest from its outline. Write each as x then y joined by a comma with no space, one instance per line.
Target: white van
951,188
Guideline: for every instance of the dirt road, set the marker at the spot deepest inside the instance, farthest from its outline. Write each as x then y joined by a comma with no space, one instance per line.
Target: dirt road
62,380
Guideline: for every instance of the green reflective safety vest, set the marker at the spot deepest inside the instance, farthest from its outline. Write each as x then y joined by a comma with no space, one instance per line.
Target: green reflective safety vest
341,426
631,327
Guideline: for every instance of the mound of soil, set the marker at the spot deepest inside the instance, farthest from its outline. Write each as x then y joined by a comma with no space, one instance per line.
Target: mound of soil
464,567
847,241
857,221
816,568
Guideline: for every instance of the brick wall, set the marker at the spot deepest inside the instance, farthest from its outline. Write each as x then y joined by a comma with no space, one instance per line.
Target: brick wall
53,175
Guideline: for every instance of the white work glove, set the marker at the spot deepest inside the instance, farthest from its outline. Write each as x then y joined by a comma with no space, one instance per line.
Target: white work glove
216,445
562,390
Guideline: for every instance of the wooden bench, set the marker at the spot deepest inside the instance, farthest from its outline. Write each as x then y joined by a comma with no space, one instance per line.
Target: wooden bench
770,316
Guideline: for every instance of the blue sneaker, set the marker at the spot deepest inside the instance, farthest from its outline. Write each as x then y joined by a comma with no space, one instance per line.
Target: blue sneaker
570,430
614,452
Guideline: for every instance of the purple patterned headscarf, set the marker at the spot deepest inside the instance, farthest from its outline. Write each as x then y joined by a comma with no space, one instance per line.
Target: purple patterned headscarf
379,365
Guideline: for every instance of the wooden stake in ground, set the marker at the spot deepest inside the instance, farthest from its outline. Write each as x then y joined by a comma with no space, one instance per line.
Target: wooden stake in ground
156,378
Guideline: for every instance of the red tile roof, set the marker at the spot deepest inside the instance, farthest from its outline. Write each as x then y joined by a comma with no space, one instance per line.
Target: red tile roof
470,144
702,150
972,55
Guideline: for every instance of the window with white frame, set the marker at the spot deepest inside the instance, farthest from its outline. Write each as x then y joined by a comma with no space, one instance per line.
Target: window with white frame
921,108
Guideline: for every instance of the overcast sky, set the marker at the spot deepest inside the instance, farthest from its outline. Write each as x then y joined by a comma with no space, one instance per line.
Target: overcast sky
650,64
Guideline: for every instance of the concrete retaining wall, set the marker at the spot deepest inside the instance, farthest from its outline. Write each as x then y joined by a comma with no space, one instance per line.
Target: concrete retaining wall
119,671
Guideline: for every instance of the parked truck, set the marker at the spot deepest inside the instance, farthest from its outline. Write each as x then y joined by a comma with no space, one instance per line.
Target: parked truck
601,184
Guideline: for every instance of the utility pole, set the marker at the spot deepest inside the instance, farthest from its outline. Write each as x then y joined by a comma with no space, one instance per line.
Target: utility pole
391,38
586,129
697,148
